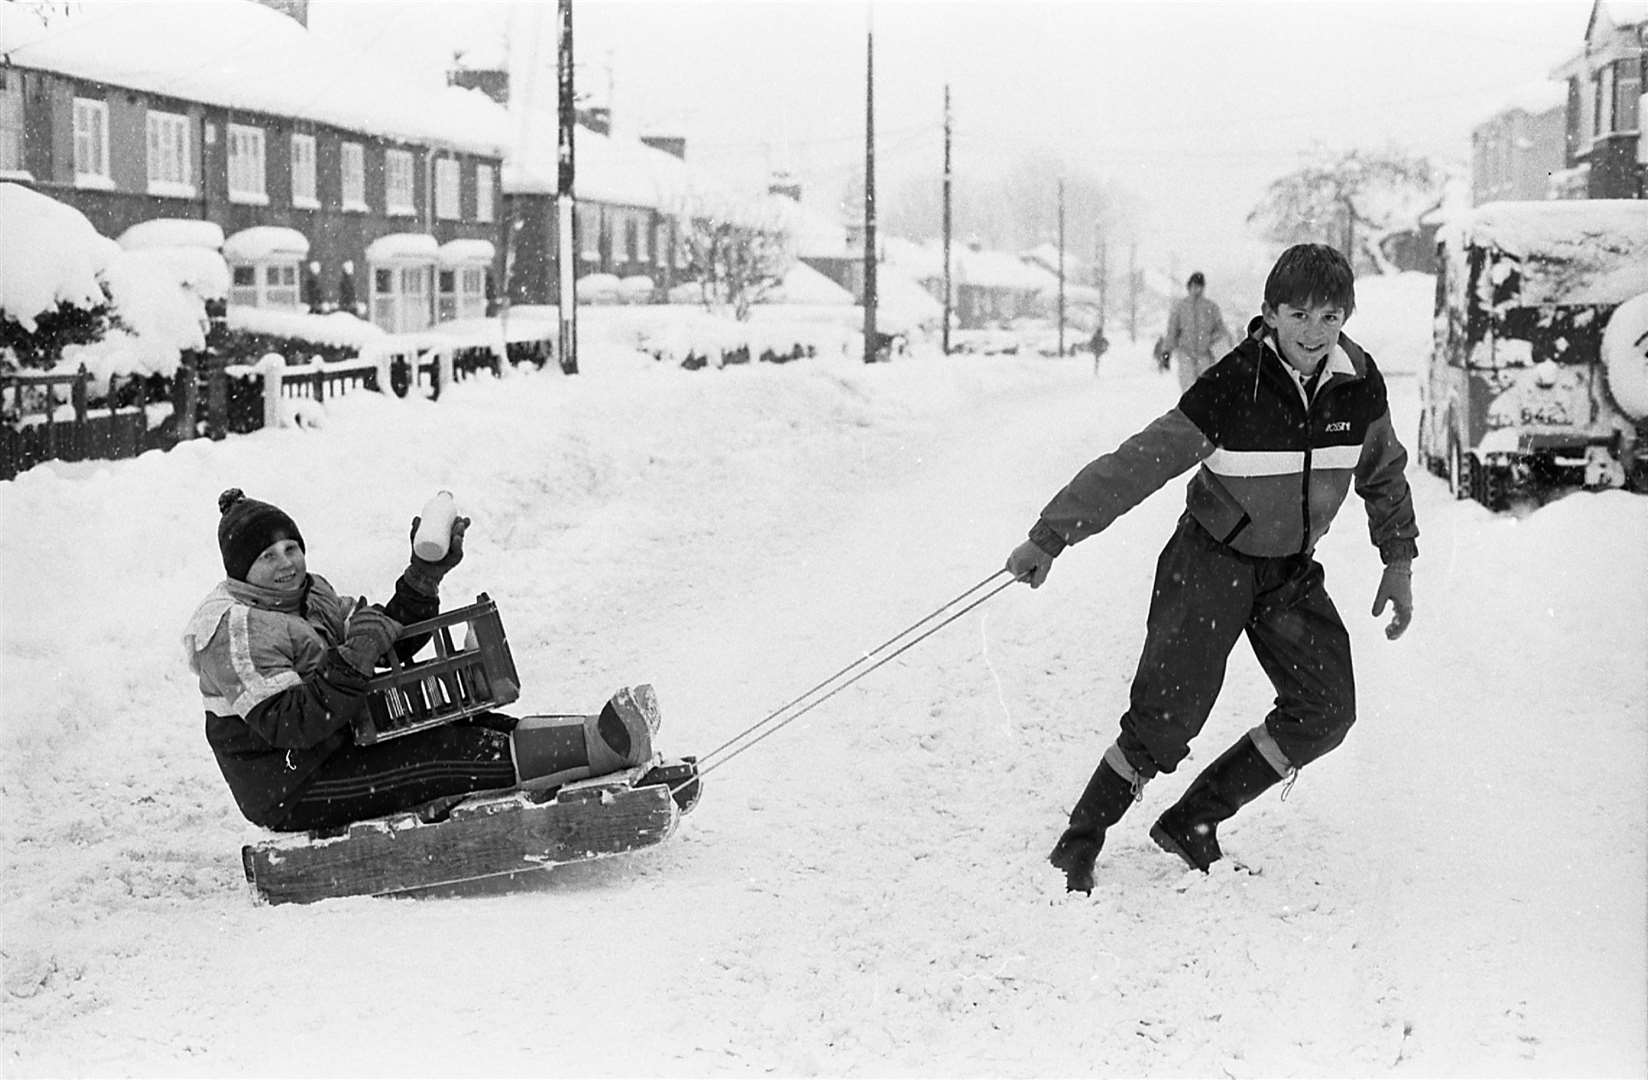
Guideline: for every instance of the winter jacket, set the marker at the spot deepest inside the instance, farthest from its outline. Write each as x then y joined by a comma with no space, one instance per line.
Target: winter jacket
279,700
1193,325
1273,470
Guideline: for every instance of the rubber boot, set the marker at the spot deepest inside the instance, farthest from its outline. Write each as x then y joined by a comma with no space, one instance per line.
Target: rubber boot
1102,804
1189,828
553,750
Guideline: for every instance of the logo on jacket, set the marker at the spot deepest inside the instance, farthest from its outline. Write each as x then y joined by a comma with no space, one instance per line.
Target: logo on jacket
1339,425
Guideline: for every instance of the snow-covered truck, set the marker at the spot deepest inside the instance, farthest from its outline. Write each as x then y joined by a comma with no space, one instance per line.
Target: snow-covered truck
1538,373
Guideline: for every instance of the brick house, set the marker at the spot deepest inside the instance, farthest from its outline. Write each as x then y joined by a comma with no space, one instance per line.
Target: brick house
335,185
1603,146
1516,153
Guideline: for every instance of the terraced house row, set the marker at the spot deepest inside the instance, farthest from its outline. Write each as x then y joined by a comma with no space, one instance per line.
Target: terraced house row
333,184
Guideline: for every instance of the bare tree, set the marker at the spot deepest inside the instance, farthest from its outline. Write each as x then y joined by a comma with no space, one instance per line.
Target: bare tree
1352,200
735,254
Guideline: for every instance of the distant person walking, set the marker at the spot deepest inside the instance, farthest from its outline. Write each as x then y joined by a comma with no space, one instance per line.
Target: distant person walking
1195,330
1100,345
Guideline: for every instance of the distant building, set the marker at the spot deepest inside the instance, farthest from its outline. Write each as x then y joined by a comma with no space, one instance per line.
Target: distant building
1604,156
1516,153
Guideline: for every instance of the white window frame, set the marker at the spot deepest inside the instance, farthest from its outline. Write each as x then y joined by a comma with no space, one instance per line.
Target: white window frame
400,191
466,299
588,232
12,127
91,143
448,189
169,139
305,195
268,288
401,309
486,180
352,177
248,165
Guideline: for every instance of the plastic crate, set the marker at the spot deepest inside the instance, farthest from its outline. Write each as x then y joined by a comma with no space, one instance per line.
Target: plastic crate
471,671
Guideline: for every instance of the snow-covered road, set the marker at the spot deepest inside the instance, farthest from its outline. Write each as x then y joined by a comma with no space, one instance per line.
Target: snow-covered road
1459,890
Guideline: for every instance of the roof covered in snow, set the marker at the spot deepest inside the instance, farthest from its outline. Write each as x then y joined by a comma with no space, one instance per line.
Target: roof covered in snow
245,56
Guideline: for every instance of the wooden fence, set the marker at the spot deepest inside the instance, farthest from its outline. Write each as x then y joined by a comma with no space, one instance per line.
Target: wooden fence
47,416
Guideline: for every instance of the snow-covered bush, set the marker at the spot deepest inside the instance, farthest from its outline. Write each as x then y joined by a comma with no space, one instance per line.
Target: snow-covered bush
70,296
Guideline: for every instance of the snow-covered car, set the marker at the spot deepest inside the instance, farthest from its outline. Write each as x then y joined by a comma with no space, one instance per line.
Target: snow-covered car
1538,372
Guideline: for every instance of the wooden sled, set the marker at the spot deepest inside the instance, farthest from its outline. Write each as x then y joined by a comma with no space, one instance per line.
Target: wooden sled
463,669
477,836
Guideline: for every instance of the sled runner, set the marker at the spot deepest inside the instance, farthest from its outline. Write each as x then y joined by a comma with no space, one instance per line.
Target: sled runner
465,670
477,836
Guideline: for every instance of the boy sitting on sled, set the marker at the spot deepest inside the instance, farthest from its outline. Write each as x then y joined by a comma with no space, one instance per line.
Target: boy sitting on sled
283,662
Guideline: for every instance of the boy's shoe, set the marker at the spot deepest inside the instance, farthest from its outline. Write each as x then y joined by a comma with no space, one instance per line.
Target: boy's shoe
1106,798
624,729
639,700
1189,828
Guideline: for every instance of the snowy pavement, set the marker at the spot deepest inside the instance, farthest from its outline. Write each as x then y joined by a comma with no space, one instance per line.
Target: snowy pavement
1459,890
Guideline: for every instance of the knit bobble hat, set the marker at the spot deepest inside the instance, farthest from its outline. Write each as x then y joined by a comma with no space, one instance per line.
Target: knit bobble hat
247,528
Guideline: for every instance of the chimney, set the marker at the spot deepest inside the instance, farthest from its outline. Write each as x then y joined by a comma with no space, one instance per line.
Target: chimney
782,183
597,118
294,9
674,145
492,82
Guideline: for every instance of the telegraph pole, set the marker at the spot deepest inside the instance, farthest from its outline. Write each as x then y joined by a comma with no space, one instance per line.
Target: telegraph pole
564,197
1061,266
869,201
1133,290
1104,274
946,331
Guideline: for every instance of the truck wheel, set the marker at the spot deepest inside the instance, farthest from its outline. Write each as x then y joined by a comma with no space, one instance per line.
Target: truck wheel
1460,479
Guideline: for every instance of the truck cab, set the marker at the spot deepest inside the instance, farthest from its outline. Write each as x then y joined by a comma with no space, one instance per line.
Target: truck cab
1538,373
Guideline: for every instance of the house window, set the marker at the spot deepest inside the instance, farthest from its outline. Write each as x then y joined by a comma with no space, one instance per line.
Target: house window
397,182
11,122
461,293
303,173
588,233
643,232
400,297
170,158
265,285
246,170
446,189
354,176
1627,95
660,244
632,238
486,177
91,143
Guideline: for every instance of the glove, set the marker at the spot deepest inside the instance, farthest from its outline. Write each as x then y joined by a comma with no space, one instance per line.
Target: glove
368,634
1395,588
1029,562
423,576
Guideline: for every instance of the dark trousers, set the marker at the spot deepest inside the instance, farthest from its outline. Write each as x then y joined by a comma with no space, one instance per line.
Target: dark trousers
370,781
1206,595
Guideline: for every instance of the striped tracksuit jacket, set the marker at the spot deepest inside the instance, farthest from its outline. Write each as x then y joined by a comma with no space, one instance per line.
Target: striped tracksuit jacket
1272,471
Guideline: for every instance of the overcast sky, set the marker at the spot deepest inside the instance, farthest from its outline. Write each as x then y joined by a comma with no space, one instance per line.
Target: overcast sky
1193,107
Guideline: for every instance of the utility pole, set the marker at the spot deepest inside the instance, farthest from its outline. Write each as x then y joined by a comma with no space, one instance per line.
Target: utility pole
1133,290
1061,266
564,197
1104,274
946,331
869,201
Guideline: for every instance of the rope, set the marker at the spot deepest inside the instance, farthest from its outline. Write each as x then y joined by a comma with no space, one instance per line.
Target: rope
706,765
